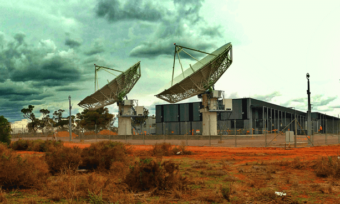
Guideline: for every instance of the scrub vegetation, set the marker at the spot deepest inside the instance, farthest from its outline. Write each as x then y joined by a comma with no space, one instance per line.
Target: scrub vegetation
112,172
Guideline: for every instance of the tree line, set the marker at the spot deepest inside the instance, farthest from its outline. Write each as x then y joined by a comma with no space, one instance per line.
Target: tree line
87,120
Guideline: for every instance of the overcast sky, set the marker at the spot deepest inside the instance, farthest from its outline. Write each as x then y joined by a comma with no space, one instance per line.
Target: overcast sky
48,48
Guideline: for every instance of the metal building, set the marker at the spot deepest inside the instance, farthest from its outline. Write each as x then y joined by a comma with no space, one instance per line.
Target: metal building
251,116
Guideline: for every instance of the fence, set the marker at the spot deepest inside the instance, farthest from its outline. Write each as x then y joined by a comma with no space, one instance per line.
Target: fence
230,133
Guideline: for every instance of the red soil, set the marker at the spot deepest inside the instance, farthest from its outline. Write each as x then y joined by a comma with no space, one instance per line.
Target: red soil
245,154
65,134
29,152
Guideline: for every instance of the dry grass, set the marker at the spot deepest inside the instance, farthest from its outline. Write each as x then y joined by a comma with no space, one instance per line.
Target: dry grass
102,155
21,172
158,177
63,158
327,167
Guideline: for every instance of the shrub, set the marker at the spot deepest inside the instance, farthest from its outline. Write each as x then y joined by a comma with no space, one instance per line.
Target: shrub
150,175
73,185
101,155
327,166
35,145
21,172
20,144
44,147
63,158
163,149
5,130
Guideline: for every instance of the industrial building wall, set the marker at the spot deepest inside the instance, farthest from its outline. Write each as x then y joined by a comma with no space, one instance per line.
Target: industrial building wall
249,115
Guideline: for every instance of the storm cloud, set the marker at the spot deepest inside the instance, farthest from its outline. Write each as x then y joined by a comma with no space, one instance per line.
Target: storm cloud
114,10
42,64
182,27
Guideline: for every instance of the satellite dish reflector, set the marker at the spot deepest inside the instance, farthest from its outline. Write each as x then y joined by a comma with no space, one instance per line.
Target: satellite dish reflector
114,90
200,76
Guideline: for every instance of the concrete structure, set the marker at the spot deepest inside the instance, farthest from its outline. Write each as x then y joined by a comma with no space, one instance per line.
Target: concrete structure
248,115
124,120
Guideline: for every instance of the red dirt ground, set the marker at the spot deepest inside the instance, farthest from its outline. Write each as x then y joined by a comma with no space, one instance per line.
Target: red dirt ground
245,154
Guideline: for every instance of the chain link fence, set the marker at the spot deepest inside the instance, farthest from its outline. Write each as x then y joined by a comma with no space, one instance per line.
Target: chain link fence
230,133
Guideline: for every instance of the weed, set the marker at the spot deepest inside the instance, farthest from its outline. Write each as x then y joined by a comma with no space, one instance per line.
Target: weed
63,158
226,191
96,199
326,167
3,198
152,176
102,155
163,149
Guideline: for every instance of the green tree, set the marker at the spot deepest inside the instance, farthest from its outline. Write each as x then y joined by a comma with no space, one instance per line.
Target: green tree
28,113
89,119
58,118
45,119
5,130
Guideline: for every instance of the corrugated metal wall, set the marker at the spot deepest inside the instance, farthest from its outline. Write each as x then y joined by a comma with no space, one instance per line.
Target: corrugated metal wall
172,128
185,128
236,113
170,113
159,128
159,114
197,126
184,112
196,111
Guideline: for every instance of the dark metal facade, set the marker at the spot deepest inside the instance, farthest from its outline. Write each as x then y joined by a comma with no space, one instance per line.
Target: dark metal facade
250,114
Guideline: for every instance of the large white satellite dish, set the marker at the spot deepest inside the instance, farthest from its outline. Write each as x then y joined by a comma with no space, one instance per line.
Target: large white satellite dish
114,91
200,76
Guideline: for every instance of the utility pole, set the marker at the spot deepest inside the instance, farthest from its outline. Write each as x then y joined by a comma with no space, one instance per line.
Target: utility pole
295,127
309,117
70,123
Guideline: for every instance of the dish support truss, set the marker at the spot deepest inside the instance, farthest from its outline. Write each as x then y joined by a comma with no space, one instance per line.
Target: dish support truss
200,80
113,91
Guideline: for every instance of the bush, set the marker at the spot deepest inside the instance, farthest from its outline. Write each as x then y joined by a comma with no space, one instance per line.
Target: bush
5,129
63,158
101,155
35,145
163,149
21,172
327,166
150,175
20,144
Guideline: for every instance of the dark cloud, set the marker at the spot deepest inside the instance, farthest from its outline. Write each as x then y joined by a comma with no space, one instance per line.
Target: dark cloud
30,97
267,97
19,37
52,72
97,47
211,31
6,91
299,100
189,9
113,10
323,102
42,64
69,89
182,27
72,43
151,50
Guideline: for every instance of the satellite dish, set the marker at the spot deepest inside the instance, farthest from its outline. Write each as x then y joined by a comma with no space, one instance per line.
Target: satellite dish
198,77
114,91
